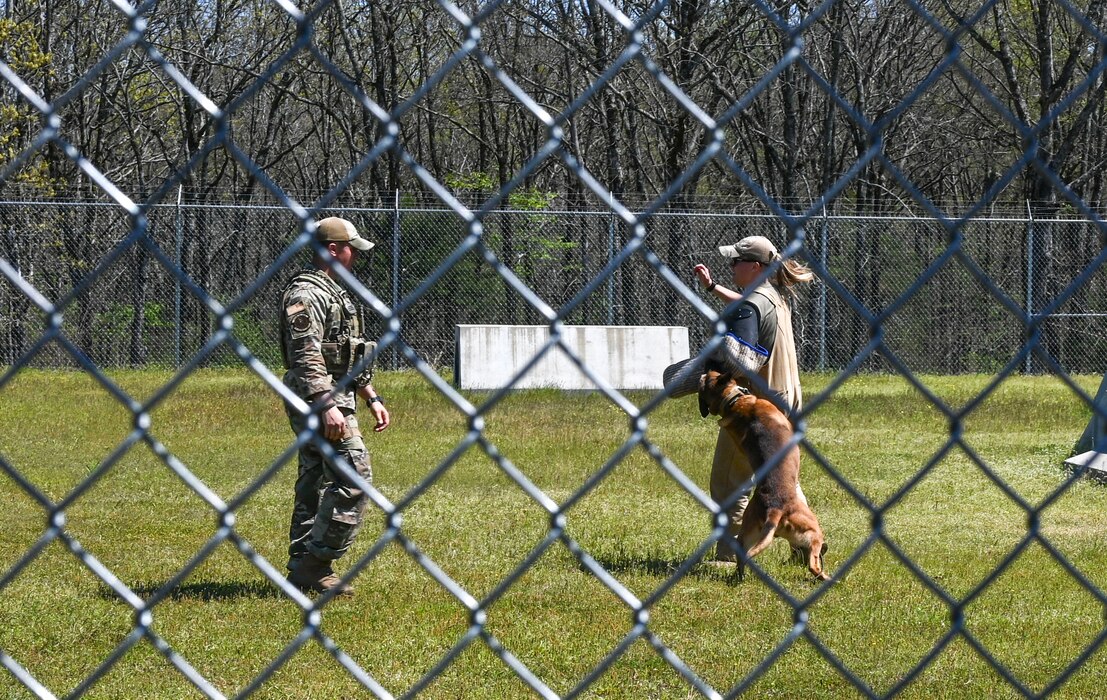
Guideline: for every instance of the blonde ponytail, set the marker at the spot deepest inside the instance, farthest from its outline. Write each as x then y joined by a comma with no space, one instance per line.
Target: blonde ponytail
790,273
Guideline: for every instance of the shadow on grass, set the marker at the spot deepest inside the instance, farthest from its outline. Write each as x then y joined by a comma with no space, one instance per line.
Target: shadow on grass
205,590
652,565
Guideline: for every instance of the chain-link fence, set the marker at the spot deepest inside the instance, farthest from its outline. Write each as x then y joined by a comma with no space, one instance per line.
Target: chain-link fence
138,313
132,281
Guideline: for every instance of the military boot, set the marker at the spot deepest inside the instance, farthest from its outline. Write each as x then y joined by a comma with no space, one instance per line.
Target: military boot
726,550
314,575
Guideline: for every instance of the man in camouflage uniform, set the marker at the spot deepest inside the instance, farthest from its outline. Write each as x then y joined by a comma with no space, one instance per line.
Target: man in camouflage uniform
322,341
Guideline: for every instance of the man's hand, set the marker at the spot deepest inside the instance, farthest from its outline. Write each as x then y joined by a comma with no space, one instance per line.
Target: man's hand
334,424
380,413
376,405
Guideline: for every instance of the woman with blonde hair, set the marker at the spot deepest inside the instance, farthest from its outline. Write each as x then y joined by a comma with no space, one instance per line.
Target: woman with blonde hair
762,320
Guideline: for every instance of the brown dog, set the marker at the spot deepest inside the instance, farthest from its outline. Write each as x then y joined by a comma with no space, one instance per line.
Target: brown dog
774,510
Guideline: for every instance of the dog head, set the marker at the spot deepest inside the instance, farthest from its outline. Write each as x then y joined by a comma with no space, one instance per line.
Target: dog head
716,389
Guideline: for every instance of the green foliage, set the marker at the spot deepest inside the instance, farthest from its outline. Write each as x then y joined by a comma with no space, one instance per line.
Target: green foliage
470,181
537,236
258,335
468,285
542,244
117,320
143,523
548,248
156,316
114,329
531,199
20,49
988,363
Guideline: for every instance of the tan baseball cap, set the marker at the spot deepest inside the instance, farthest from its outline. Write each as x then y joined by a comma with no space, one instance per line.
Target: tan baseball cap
752,248
337,230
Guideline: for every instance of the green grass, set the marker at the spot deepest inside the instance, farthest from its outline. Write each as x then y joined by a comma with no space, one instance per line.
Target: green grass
142,522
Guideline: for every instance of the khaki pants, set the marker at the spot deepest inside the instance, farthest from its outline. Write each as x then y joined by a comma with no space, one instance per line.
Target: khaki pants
730,470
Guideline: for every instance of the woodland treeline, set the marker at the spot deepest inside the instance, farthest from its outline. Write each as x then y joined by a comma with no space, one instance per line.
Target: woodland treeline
972,102
881,105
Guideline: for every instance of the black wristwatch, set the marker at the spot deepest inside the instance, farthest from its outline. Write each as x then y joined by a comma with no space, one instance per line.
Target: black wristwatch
711,287
377,399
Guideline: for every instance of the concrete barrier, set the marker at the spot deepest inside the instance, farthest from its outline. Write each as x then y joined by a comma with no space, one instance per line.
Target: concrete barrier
626,357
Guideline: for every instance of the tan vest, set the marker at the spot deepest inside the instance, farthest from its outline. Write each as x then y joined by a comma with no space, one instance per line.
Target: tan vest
781,372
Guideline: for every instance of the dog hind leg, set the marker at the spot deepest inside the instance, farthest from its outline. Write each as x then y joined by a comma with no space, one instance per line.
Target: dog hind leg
815,557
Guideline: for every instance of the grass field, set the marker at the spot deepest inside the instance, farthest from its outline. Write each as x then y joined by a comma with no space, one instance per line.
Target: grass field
59,621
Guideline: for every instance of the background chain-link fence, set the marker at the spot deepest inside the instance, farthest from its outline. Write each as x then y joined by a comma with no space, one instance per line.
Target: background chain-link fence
136,280
137,312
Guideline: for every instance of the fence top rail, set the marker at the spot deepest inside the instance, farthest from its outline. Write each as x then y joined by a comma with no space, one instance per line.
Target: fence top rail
559,212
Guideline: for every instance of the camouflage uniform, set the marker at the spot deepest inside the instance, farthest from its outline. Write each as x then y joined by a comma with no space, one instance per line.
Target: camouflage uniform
321,340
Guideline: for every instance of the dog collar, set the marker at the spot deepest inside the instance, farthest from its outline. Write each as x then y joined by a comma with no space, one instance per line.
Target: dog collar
731,397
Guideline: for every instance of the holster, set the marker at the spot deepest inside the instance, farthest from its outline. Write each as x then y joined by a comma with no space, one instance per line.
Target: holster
337,357
343,356
359,349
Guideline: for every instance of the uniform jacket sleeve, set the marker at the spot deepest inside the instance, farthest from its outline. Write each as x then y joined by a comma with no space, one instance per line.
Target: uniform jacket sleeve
366,377
305,327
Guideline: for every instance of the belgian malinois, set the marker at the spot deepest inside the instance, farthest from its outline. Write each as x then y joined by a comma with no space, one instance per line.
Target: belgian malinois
774,510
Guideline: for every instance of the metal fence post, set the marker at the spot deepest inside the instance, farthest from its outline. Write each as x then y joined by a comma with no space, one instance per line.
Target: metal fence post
822,297
179,231
8,357
395,359
1028,364
610,257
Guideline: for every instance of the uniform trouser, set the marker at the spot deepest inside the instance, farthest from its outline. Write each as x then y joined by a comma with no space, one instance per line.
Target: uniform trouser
328,508
729,471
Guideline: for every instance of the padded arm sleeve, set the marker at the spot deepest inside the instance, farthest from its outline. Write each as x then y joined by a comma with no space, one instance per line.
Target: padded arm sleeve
739,357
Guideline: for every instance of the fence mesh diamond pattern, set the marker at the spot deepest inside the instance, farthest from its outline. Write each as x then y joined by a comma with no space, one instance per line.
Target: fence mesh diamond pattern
127,281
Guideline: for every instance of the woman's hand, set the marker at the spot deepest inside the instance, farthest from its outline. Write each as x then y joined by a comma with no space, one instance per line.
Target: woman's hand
703,274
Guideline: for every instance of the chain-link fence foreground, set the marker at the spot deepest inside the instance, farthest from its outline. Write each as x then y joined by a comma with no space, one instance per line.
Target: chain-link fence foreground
837,109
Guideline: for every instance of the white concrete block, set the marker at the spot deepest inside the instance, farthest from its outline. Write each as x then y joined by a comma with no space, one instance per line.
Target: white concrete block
626,357
1095,462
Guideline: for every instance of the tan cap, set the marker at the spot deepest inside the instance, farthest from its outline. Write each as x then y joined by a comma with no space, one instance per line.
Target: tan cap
335,230
752,248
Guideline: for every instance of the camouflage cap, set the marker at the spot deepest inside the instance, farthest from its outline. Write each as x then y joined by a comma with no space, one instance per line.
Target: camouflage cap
752,249
337,230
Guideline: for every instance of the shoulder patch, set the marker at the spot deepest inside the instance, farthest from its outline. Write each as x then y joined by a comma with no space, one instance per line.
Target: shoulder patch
295,309
299,323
